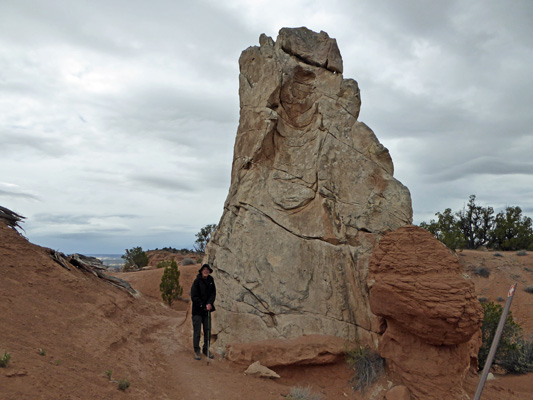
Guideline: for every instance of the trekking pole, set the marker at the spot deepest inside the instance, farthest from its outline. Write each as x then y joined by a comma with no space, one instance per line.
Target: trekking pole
495,342
208,335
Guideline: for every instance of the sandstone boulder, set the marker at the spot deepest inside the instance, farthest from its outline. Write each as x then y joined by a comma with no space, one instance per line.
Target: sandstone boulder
312,191
256,369
432,316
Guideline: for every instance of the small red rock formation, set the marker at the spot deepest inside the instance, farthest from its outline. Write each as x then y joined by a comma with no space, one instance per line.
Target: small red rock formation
431,311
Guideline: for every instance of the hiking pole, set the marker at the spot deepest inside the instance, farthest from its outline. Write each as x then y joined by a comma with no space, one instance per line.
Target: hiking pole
208,335
495,342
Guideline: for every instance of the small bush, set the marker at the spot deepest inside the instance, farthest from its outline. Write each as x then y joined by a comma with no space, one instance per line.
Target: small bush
482,271
521,253
529,289
500,298
4,361
519,359
498,254
170,283
301,393
109,373
368,366
123,384
528,269
483,299
187,261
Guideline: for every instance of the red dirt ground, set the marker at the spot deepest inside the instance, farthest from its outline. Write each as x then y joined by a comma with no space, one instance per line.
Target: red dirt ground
86,327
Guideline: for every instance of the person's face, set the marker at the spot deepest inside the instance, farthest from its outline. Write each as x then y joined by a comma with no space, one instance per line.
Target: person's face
205,272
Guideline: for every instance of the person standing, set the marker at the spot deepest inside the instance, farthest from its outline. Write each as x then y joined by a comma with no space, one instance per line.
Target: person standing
203,294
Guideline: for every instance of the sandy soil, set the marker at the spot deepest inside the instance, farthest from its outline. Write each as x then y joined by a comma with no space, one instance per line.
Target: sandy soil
87,327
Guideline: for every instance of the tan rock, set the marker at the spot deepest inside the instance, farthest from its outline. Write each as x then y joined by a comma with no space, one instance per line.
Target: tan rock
399,392
312,191
431,312
305,350
256,369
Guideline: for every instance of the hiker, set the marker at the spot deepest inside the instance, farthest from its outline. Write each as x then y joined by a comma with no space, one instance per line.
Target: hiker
203,294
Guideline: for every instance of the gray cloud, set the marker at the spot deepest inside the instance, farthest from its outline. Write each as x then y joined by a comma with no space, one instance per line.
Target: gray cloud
119,117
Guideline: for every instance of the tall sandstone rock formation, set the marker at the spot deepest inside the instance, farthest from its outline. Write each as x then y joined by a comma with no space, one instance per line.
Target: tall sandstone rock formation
312,192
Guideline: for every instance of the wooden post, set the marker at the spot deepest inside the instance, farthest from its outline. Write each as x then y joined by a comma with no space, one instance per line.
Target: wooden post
495,342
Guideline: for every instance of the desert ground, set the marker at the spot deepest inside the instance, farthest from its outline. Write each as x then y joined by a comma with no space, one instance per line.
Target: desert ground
67,331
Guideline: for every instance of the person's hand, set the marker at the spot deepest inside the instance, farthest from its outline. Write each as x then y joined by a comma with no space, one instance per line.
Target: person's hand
209,307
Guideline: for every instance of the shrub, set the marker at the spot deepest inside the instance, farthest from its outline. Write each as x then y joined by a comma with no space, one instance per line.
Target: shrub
123,384
528,269
134,259
500,298
483,299
529,289
368,366
109,373
170,283
482,271
519,359
4,361
498,254
187,261
511,334
521,253
301,393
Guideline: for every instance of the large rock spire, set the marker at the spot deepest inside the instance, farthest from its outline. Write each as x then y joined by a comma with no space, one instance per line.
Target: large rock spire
312,191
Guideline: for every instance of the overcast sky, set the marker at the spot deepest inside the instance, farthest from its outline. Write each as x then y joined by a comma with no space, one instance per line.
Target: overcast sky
118,117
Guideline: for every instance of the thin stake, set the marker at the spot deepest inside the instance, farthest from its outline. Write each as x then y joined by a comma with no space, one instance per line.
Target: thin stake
208,334
495,342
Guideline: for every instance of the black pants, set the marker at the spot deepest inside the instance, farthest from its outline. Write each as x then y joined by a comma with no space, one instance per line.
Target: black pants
197,322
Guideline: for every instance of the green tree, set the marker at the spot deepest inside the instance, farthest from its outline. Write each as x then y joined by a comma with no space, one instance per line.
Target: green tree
446,229
134,259
512,230
475,223
170,282
203,237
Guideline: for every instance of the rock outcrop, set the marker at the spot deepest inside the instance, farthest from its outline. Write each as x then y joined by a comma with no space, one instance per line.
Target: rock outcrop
305,350
312,192
432,316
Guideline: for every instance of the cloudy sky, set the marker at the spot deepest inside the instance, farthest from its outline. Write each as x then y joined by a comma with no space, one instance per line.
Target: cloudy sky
118,117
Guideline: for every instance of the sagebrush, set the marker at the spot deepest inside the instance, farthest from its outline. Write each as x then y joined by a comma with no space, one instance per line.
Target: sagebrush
367,365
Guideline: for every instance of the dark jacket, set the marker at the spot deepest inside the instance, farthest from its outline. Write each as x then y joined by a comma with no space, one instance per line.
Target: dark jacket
203,292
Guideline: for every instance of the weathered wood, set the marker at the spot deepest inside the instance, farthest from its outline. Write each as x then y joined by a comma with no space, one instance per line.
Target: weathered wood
59,258
11,218
97,268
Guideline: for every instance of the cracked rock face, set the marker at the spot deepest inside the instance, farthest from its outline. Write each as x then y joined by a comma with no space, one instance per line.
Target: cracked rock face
312,191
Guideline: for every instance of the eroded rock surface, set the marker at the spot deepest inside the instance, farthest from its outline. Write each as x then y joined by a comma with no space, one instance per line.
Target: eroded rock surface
312,191
305,350
432,314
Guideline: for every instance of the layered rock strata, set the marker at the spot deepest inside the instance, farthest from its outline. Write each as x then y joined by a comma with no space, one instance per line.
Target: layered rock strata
312,191
431,314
